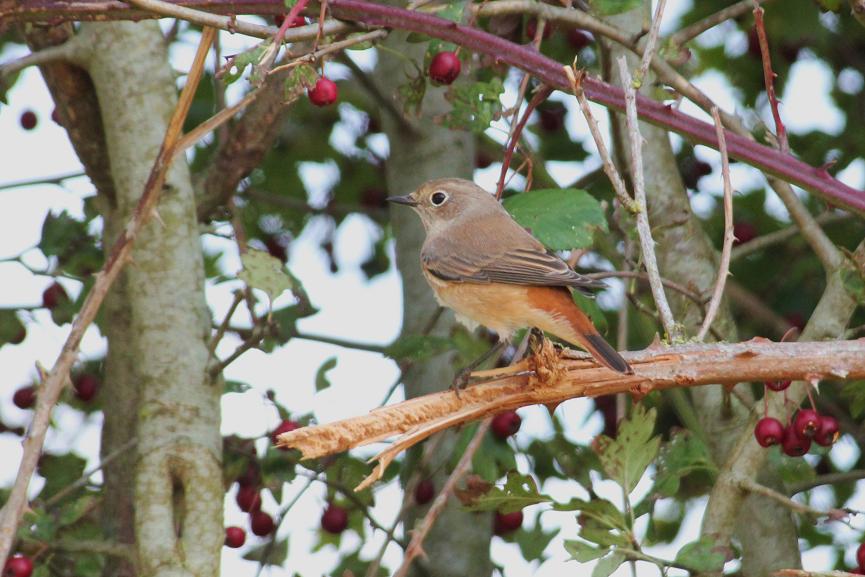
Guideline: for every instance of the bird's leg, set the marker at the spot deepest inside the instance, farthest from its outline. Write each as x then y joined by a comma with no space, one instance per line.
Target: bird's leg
462,378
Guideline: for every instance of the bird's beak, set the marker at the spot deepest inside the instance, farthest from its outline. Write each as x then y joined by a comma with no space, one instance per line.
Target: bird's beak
406,200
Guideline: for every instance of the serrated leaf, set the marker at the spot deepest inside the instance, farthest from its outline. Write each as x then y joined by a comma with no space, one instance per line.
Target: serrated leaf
683,454
269,553
562,219
625,458
598,511
583,552
299,79
264,272
518,492
854,395
237,64
475,105
418,347
701,556
493,459
11,327
59,471
608,564
321,382
532,543
610,7
72,512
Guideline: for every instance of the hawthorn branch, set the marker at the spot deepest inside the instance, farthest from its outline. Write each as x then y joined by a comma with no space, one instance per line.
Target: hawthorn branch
769,78
120,254
549,379
795,506
783,235
690,32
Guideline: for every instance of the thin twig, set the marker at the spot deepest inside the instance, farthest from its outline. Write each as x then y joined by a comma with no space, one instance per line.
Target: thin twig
214,122
254,338
690,32
333,47
223,326
541,95
698,300
827,479
53,384
85,477
729,237
784,234
42,180
418,535
644,231
62,52
795,506
769,78
649,48
575,78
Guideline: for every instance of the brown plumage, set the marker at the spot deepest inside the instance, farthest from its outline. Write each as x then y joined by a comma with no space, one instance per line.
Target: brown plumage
491,271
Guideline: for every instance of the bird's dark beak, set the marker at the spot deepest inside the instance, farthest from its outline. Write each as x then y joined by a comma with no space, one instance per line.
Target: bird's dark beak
406,200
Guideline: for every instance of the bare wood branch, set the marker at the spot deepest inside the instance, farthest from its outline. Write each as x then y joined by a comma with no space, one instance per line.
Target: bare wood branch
795,506
769,79
570,375
651,41
59,374
644,231
803,573
783,235
724,266
692,31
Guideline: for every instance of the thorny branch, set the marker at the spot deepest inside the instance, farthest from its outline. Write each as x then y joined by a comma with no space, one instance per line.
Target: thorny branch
549,378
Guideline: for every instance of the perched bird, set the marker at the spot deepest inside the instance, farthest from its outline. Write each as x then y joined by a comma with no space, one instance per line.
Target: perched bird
491,271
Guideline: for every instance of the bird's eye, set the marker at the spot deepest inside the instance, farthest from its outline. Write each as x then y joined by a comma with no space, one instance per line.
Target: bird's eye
438,198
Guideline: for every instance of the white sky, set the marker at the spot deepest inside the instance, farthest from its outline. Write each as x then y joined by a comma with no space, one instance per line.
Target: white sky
360,379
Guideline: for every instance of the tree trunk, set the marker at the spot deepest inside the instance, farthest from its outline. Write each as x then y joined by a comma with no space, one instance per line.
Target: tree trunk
459,543
158,340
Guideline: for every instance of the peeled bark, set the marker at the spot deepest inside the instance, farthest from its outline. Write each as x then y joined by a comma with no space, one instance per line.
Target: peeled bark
430,151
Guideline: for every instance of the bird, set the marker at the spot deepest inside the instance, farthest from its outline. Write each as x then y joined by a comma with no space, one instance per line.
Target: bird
491,271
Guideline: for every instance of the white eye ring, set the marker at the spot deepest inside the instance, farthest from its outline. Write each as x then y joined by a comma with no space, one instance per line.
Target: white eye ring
438,198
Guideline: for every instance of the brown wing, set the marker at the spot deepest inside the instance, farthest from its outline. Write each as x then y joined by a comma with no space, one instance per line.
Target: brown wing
507,255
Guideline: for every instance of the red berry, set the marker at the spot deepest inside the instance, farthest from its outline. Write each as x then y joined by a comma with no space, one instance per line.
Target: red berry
55,116
248,499
424,492
578,39
234,537
769,431
744,231
483,159
334,519
283,427
794,445
325,92
552,116
18,566
506,424
806,422
28,120
444,67
298,21
827,432
860,557
24,398
261,523
251,477
19,337
53,295
777,385
532,29
507,522
86,386
275,248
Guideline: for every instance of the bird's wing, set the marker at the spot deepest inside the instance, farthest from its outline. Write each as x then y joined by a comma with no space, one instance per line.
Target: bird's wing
509,256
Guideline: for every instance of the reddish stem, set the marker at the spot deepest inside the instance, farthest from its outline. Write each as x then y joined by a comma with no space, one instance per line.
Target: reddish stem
769,78
541,95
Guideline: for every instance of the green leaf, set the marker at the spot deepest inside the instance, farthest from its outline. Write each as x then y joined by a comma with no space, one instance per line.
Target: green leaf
583,552
683,454
853,282
72,512
701,556
236,65
831,5
321,382
562,219
366,45
269,553
854,395
493,459
38,525
626,457
597,511
235,387
264,272
59,471
411,94
475,105
12,330
610,7
608,564
301,78
418,347
518,492
532,543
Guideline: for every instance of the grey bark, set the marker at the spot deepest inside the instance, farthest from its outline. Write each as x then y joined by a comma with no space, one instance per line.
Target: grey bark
158,339
458,545
687,256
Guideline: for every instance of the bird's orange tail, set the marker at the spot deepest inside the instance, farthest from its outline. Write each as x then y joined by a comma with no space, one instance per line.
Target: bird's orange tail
561,317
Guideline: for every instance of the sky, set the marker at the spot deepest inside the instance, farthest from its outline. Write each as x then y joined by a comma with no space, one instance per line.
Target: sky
360,379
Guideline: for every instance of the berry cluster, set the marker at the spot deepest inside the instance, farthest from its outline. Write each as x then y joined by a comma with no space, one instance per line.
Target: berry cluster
807,425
